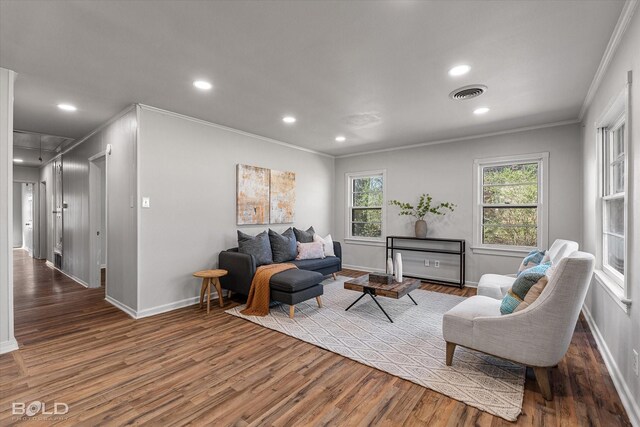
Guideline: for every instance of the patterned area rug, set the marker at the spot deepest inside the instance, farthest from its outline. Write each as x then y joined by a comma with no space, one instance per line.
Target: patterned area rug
411,348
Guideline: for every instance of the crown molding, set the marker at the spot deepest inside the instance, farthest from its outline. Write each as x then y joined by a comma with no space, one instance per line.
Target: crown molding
463,138
616,37
228,129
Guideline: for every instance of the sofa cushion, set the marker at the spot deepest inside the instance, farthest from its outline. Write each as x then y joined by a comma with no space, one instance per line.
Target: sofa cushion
495,285
317,264
283,246
313,250
258,246
532,259
327,244
294,280
304,236
521,286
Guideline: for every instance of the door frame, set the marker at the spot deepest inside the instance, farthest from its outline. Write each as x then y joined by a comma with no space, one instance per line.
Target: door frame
94,218
35,213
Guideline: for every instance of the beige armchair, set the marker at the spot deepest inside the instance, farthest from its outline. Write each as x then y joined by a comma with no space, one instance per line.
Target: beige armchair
537,336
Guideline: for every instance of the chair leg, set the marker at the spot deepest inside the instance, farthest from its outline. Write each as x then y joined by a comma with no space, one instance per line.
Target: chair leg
335,276
542,377
451,348
292,309
319,301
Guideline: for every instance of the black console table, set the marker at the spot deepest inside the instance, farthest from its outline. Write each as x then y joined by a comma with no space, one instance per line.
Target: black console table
430,245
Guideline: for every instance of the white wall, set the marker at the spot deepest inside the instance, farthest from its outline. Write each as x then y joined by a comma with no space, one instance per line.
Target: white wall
7,339
620,331
188,169
17,215
446,172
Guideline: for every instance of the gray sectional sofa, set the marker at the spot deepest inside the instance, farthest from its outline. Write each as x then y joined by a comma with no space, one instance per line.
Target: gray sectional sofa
242,267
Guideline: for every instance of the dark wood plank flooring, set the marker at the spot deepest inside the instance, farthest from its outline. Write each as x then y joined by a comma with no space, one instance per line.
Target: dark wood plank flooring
187,367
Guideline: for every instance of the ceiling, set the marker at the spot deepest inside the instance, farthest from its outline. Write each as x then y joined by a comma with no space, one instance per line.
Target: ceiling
332,64
27,147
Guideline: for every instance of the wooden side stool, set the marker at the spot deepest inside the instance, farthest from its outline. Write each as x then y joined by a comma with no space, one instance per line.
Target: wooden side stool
207,277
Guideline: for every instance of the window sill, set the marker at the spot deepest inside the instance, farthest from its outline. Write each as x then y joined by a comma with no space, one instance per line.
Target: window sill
365,242
510,252
613,290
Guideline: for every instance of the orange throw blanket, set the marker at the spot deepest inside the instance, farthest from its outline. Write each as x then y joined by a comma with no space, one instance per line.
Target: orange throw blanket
259,294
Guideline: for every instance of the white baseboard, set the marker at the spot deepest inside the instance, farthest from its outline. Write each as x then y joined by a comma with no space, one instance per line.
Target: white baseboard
174,306
628,401
70,276
130,311
471,284
8,346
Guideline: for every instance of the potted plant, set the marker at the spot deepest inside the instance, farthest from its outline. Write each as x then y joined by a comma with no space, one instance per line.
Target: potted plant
421,210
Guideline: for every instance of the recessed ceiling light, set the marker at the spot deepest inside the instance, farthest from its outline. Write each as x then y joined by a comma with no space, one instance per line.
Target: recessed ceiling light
481,110
18,160
459,70
340,138
289,119
67,107
202,84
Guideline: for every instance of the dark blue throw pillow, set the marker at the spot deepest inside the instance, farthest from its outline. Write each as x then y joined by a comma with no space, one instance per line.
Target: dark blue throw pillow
283,246
304,236
258,246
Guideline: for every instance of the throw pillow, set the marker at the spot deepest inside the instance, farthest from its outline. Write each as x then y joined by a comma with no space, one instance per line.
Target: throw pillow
304,236
313,250
283,246
523,283
258,246
533,258
327,243
533,294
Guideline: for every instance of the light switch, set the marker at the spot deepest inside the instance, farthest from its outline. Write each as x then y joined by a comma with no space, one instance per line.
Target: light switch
145,202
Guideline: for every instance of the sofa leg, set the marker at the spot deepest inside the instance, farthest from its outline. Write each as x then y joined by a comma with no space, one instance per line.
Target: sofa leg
319,301
292,309
542,377
451,348
335,276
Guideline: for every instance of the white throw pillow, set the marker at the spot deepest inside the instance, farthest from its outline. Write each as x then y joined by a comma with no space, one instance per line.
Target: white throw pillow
311,250
327,243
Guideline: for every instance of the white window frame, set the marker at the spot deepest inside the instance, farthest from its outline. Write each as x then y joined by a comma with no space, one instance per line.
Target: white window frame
615,114
349,177
542,159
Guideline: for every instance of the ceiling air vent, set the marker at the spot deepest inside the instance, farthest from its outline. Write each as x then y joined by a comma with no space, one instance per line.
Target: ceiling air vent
468,92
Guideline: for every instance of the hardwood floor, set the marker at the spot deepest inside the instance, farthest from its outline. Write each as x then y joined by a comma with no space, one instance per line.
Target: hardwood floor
187,367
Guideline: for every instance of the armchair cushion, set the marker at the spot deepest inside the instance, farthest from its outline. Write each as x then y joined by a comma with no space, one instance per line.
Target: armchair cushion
457,324
495,285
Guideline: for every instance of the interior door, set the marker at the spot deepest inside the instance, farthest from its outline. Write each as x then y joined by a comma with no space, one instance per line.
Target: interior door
27,216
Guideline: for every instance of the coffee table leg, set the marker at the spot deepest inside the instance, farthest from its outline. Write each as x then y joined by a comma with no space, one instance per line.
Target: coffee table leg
414,301
353,303
376,301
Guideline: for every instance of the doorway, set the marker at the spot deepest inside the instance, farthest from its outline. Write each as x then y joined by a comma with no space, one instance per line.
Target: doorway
23,217
98,220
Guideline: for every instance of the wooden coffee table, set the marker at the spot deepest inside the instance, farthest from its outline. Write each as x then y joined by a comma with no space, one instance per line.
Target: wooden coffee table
394,290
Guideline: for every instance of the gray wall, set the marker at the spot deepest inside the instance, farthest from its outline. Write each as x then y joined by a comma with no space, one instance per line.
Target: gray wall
446,172
17,215
621,331
188,169
121,215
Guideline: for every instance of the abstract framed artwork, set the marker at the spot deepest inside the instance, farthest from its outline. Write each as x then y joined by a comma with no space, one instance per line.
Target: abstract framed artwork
252,198
282,197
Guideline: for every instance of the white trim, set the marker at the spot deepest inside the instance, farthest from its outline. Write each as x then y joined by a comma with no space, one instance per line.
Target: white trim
8,346
464,138
628,401
543,203
612,289
130,311
228,129
174,306
71,276
364,242
616,37
347,232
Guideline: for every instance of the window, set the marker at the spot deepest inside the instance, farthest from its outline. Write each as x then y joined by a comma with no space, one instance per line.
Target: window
365,205
510,204
613,184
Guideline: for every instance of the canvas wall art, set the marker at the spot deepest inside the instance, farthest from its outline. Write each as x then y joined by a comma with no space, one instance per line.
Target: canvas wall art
252,199
283,197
